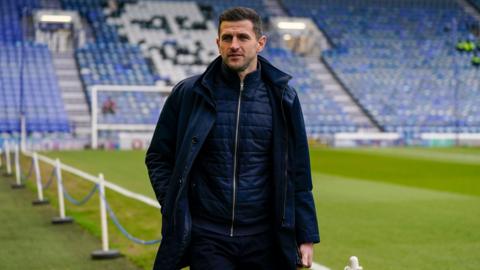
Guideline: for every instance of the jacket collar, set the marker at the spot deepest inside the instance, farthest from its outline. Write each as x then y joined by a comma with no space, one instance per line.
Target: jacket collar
231,78
269,73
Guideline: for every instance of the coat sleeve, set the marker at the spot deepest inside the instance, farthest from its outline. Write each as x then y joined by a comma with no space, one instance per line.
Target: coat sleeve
160,157
306,225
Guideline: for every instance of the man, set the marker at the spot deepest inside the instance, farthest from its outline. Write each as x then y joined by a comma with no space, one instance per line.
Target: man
229,162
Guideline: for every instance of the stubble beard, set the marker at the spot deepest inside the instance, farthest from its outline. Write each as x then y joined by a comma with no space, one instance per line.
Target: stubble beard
238,69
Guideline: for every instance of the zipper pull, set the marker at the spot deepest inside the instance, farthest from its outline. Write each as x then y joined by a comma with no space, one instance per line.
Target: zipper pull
241,86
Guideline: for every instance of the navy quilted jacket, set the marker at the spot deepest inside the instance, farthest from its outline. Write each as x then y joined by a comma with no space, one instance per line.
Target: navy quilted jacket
184,124
231,179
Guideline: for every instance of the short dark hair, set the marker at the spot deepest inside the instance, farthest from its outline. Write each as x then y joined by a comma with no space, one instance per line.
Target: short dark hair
236,14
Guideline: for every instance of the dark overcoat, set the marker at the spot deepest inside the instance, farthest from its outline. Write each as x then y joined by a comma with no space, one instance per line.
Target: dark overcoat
185,121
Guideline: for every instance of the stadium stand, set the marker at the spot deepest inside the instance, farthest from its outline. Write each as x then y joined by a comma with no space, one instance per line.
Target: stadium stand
179,39
398,60
27,82
476,3
113,64
321,113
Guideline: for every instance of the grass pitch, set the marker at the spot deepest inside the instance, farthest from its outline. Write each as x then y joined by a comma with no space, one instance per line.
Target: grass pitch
30,241
408,208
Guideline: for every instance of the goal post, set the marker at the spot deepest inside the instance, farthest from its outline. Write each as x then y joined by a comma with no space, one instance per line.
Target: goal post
142,119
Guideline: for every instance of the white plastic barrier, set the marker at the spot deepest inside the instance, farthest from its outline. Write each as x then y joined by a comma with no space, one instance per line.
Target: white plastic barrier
101,183
7,158
18,176
105,252
38,177
62,219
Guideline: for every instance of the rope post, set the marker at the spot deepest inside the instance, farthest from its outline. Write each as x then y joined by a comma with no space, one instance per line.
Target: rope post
105,252
62,219
7,159
40,200
354,264
18,174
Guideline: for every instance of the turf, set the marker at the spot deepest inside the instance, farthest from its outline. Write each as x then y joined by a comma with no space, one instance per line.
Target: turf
408,208
395,227
402,167
126,168
30,241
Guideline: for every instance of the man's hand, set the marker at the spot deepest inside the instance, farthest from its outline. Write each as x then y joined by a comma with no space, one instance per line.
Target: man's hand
306,252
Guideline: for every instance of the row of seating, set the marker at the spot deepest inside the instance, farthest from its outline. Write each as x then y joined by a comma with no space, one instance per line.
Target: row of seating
113,64
28,83
398,61
10,19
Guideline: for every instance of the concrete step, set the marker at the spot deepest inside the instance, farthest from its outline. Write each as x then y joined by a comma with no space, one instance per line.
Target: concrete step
67,75
324,76
76,106
70,84
80,118
64,64
83,130
352,108
71,89
75,101
333,87
78,112
67,72
342,98
73,95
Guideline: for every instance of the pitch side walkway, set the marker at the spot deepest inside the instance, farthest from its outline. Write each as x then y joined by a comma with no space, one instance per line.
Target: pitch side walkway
28,240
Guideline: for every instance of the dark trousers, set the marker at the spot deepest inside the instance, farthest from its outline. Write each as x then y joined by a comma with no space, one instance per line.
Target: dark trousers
210,251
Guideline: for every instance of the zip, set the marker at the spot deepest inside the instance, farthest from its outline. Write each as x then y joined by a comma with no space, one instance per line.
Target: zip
234,188
286,159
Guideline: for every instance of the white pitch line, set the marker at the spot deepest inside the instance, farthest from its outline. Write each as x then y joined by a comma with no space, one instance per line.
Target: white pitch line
316,266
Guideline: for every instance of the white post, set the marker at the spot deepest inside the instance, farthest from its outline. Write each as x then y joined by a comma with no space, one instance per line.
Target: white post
1,154
103,212
7,158
354,264
38,177
23,132
18,173
61,201
104,253
94,105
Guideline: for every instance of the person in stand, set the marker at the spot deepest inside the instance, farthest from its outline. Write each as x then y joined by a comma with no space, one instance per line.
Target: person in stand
109,106
229,162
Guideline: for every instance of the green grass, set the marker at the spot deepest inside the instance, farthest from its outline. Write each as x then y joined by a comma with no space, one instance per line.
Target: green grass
402,167
142,221
126,168
408,208
30,241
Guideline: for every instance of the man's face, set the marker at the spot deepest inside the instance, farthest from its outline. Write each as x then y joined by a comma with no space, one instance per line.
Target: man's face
239,46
